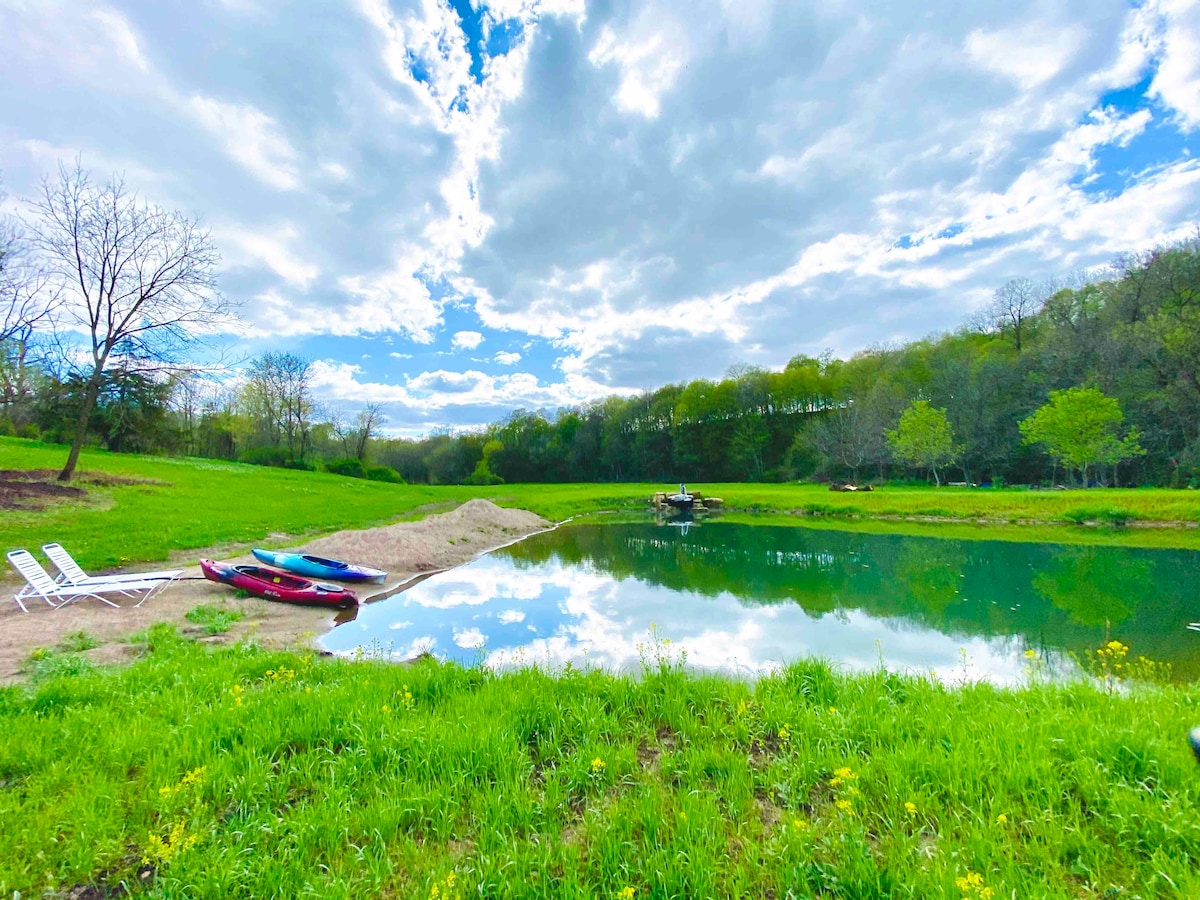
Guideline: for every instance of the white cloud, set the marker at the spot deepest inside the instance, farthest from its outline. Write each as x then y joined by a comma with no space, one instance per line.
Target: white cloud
470,638
510,617
270,248
396,300
1177,81
507,358
439,390
466,340
648,62
122,36
1030,54
250,137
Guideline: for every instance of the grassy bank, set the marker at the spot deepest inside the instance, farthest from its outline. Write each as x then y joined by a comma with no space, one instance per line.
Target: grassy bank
238,773
187,504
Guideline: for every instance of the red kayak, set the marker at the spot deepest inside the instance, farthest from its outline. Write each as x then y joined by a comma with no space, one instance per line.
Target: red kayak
275,585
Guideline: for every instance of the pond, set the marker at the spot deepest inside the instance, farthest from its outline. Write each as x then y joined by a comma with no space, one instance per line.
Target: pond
746,599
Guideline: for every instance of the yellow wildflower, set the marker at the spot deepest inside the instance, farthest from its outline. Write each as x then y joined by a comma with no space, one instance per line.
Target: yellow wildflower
784,734
626,893
598,765
1002,819
834,782
799,824
844,805
1030,654
910,808
386,708
833,709
845,772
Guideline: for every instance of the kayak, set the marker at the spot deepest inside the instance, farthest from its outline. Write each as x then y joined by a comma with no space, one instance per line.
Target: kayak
319,567
273,585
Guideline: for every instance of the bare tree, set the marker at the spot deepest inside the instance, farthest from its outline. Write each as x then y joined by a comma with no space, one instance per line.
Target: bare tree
339,423
281,388
138,280
24,298
368,423
1013,304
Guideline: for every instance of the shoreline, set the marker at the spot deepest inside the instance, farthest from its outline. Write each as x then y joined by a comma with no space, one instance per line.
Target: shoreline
410,550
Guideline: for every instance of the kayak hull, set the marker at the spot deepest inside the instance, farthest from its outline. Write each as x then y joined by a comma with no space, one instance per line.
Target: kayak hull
310,566
279,586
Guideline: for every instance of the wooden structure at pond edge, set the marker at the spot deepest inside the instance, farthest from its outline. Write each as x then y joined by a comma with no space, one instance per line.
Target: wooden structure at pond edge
700,502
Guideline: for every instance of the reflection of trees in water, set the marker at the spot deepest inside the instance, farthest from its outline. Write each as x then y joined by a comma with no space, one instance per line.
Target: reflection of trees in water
931,572
1095,587
1053,596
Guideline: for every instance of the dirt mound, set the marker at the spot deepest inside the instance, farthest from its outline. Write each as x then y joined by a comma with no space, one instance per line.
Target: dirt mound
434,543
34,489
27,494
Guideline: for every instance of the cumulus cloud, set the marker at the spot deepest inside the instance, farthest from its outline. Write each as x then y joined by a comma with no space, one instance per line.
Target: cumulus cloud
656,190
1177,80
466,340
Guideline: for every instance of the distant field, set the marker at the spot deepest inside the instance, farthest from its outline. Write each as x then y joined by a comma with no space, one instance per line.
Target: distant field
193,503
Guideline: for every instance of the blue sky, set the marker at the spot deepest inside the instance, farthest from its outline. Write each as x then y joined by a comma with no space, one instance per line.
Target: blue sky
459,209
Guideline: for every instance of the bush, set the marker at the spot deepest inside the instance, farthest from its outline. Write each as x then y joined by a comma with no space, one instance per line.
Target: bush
349,467
1105,515
384,473
265,456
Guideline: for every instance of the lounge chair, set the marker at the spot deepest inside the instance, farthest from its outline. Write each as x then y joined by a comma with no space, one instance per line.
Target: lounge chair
70,572
38,583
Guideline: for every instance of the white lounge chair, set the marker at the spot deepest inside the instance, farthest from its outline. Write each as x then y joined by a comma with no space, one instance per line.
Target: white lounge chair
38,583
70,572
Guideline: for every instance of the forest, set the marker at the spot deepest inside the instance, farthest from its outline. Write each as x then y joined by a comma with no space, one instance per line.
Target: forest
1091,379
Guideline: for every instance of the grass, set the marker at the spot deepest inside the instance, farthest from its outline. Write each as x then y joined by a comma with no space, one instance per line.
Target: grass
191,504
213,619
243,773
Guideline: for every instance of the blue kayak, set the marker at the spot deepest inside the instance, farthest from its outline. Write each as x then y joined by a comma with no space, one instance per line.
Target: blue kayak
318,567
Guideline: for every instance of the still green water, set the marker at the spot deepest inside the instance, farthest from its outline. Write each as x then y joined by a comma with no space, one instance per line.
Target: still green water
746,599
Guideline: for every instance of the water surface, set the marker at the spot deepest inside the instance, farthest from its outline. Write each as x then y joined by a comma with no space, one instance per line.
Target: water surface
747,599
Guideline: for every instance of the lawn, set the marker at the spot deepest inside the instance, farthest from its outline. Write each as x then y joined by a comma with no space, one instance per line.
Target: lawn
192,504
241,773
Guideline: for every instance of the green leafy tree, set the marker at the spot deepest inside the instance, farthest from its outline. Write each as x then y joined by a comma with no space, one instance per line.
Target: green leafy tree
1078,427
924,438
483,473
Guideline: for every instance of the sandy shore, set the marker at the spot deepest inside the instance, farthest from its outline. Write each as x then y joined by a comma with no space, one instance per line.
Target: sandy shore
405,550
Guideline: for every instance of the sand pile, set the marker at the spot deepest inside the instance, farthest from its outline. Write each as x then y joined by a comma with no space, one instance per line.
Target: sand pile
404,550
438,542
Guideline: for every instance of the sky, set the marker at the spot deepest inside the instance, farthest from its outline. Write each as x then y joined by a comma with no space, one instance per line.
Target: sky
461,209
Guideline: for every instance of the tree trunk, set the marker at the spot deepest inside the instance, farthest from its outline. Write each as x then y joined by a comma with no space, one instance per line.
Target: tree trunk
936,480
85,413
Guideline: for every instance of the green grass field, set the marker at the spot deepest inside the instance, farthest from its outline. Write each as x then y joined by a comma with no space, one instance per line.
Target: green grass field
240,773
193,504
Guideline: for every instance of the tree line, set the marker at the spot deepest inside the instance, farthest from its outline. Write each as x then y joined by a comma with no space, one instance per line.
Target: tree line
1086,380
105,301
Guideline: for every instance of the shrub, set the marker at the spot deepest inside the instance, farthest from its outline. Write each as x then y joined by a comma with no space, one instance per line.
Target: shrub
265,456
384,473
349,467
1107,515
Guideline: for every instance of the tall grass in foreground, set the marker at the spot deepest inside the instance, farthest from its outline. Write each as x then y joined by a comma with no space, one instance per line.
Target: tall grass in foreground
242,773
